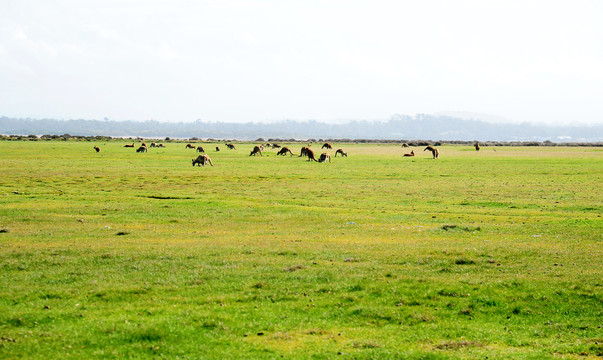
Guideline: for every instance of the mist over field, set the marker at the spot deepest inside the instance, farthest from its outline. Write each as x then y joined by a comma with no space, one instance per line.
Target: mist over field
398,127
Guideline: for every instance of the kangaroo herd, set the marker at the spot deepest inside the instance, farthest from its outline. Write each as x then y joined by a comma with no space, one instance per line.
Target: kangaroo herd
305,151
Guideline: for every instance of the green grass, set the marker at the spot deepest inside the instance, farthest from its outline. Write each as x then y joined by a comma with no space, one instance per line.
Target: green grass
491,254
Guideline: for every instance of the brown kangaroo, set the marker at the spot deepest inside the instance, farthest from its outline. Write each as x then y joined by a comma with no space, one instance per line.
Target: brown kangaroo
284,150
127,145
200,149
310,154
326,145
340,151
202,160
324,157
97,149
433,150
256,150
412,153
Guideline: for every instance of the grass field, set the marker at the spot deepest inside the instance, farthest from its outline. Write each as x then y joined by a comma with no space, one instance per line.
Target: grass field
493,254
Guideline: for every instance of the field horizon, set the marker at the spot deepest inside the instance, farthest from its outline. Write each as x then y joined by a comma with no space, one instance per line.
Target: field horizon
478,254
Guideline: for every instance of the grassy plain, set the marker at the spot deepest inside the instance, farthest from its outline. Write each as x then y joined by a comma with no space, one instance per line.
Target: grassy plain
116,254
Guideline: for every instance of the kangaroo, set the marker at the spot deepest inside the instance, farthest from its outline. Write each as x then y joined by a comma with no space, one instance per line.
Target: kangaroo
433,150
256,150
340,151
284,151
324,157
201,160
310,154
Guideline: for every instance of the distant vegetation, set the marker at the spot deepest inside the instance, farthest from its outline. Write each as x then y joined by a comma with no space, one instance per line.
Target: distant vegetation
69,137
398,127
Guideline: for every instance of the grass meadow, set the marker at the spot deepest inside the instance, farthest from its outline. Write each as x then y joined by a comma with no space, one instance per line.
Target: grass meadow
493,254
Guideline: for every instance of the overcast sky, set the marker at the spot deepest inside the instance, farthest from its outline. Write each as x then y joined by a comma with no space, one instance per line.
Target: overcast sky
327,60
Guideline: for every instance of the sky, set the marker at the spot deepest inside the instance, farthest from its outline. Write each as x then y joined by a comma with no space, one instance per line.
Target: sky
326,60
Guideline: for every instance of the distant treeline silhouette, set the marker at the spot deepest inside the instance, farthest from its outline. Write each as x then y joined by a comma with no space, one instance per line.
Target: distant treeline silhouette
418,143
398,127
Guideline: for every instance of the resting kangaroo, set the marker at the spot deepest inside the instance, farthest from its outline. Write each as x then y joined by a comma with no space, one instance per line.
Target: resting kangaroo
256,150
324,157
340,151
97,149
284,151
412,153
202,160
433,150
127,145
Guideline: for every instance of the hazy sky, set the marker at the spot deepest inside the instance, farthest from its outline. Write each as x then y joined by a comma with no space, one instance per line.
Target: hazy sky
328,60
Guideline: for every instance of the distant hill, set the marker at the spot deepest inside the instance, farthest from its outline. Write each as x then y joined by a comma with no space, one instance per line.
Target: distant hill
398,127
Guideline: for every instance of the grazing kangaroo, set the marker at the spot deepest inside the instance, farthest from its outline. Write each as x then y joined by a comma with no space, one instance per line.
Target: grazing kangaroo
217,148
276,146
324,157
230,146
189,146
304,151
284,151
433,150
256,150
405,145
153,144
340,151
326,145
200,149
142,149
412,153
310,154
201,160
97,149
